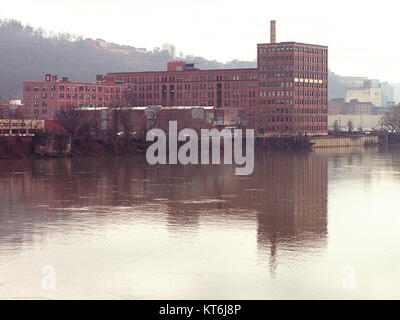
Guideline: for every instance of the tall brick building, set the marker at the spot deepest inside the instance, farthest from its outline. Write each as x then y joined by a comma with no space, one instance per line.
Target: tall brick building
292,86
286,93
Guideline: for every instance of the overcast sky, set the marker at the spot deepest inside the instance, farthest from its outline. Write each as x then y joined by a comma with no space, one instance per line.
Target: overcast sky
362,35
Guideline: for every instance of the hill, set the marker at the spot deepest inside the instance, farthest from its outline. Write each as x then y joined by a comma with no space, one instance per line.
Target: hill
27,53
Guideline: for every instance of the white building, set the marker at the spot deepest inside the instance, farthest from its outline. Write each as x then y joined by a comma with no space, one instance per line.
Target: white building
366,93
170,48
352,82
14,104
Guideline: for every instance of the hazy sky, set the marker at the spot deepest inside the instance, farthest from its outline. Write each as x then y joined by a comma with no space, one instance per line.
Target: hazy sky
362,35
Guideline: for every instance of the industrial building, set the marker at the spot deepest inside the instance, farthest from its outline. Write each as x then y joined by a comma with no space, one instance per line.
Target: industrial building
286,94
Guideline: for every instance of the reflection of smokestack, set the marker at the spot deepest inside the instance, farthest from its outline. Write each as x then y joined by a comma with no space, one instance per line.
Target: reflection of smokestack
273,32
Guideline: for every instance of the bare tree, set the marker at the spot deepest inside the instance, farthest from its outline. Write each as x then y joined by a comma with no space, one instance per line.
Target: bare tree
120,117
336,125
71,120
391,120
350,126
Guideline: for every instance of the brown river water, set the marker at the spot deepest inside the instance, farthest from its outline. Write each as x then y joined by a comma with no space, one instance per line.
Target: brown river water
306,225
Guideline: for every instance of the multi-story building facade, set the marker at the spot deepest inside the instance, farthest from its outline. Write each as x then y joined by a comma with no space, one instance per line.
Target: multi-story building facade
42,99
292,87
369,92
184,84
286,93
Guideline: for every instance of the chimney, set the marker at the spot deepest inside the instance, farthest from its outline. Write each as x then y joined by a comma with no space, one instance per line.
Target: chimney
273,32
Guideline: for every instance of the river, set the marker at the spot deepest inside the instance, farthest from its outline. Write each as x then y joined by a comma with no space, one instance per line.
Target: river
306,225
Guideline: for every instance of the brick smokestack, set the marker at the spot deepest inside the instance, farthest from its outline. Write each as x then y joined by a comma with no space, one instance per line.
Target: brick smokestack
273,32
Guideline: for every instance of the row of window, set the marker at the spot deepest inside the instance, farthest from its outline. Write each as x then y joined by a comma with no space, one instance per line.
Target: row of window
290,75
44,88
295,49
201,86
311,94
71,96
310,68
275,68
311,85
62,87
293,102
287,128
180,103
276,75
275,84
276,93
44,111
310,119
36,96
277,58
310,60
292,67
293,110
290,93
291,58
242,94
239,103
191,78
297,119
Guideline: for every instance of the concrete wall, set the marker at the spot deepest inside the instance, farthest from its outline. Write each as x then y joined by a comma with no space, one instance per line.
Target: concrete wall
366,122
329,142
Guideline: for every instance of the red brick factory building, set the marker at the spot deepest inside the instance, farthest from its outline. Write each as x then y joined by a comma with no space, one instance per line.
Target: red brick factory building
286,94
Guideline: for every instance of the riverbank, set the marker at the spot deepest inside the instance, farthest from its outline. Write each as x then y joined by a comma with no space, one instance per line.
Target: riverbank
50,146
56,146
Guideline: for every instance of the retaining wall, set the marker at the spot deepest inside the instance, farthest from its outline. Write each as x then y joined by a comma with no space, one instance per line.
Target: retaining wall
328,142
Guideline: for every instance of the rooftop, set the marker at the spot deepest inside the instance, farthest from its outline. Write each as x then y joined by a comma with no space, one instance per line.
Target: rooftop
293,43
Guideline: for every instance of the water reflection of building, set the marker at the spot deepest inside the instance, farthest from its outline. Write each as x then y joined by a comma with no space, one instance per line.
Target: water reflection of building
285,197
293,209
